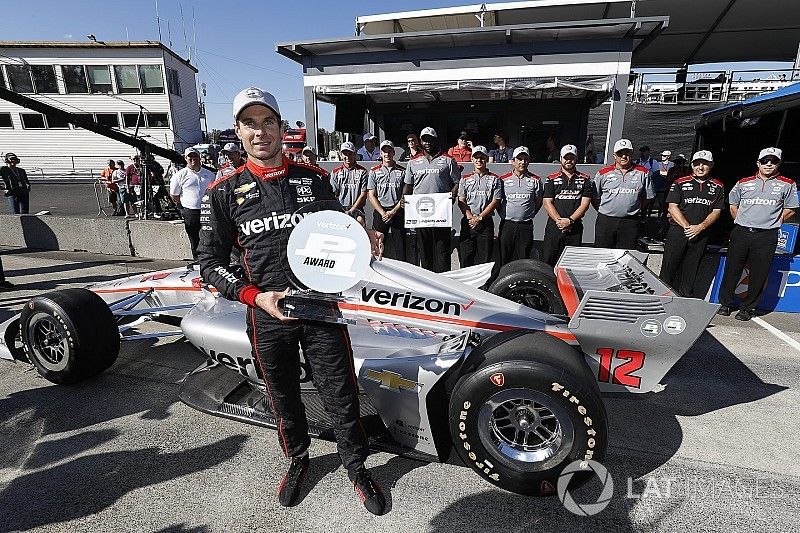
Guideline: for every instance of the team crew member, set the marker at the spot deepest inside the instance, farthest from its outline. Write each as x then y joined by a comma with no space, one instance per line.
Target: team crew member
522,198
622,190
186,187
349,181
309,156
369,152
253,210
695,203
385,193
759,205
432,172
479,194
567,196
233,160
18,188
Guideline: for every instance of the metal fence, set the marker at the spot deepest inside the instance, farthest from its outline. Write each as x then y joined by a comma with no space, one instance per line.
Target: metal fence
71,166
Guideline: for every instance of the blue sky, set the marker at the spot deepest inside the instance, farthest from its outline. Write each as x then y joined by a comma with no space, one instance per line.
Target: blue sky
235,39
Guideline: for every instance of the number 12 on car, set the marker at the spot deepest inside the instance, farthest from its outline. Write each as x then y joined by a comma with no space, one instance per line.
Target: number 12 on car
631,361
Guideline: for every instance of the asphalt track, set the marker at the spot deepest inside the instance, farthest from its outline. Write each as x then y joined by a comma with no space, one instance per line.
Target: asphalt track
716,450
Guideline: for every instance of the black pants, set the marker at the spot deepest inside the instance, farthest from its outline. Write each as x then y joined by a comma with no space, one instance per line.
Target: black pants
515,240
556,240
2,272
616,232
682,259
394,235
475,246
755,248
433,248
327,349
191,221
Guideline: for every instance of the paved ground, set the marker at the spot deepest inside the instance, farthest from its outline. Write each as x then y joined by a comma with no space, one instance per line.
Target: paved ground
714,451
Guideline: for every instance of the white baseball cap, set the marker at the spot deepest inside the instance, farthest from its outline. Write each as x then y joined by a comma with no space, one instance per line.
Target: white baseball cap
705,155
368,136
622,144
428,131
230,147
347,146
308,149
254,95
190,150
388,143
777,152
520,150
569,149
666,153
479,150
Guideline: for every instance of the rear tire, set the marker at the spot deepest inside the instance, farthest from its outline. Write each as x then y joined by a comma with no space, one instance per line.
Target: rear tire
69,335
530,283
520,418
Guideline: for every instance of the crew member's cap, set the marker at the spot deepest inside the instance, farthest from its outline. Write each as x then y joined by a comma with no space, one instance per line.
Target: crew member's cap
680,157
520,150
308,149
666,153
463,135
430,132
386,143
254,95
369,136
569,149
705,155
11,155
190,151
230,147
479,150
776,152
347,146
622,144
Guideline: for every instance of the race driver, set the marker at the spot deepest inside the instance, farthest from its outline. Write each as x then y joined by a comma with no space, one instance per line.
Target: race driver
255,209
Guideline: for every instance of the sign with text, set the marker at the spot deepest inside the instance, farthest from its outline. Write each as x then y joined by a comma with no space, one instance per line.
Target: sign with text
782,292
429,210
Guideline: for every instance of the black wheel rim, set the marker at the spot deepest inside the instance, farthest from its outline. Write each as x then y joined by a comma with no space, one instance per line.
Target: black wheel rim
531,296
48,342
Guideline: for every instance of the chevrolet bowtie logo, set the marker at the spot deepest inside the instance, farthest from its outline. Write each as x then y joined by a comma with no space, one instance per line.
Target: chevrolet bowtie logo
391,380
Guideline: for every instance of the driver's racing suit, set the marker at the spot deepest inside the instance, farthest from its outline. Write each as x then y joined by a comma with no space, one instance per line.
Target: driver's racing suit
255,210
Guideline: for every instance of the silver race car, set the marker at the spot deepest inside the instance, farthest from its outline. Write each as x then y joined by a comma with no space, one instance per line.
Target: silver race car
506,380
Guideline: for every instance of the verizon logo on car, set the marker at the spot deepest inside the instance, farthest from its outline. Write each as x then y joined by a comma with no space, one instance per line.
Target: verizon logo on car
411,301
269,223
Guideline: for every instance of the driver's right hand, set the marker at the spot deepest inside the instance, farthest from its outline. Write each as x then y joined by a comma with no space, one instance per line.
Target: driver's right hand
268,301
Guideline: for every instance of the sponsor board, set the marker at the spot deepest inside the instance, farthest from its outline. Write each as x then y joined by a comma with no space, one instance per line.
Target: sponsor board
782,291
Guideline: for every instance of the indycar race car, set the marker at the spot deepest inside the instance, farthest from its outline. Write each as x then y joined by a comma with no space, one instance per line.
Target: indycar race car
506,380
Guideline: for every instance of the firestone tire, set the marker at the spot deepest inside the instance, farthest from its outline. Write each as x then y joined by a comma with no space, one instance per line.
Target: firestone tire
69,335
527,264
519,421
531,286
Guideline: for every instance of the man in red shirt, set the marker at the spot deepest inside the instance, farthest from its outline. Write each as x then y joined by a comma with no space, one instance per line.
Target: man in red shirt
462,151
112,187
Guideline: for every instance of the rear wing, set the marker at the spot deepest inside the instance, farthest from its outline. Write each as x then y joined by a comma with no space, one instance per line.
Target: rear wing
631,326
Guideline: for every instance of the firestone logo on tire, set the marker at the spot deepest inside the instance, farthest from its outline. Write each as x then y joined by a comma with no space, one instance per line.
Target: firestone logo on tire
498,379
585,509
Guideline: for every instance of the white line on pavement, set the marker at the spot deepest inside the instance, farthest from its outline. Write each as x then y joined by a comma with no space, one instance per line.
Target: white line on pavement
778,333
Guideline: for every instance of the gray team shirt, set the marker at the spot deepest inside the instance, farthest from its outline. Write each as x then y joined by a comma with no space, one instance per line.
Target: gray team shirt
439,174
621,193
478,190
348,183
521,196
761,202
387,182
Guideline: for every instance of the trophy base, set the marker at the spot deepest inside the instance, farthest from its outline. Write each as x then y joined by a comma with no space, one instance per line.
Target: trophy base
314,306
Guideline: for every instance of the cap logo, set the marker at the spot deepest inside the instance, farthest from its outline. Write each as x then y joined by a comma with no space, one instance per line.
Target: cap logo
254,93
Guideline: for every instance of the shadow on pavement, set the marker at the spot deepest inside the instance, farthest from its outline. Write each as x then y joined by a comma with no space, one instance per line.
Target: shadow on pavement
644,433
89,484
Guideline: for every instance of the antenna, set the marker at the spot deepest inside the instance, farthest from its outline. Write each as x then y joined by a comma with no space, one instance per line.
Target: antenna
158,22
194,35
169,35
127,35
183,24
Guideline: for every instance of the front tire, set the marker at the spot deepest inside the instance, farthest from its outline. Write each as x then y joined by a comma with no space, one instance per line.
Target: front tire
519,421
69,335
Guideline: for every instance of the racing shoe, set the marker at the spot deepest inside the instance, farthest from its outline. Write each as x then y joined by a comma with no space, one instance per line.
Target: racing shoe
291,482
368,491
724,310
744,315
